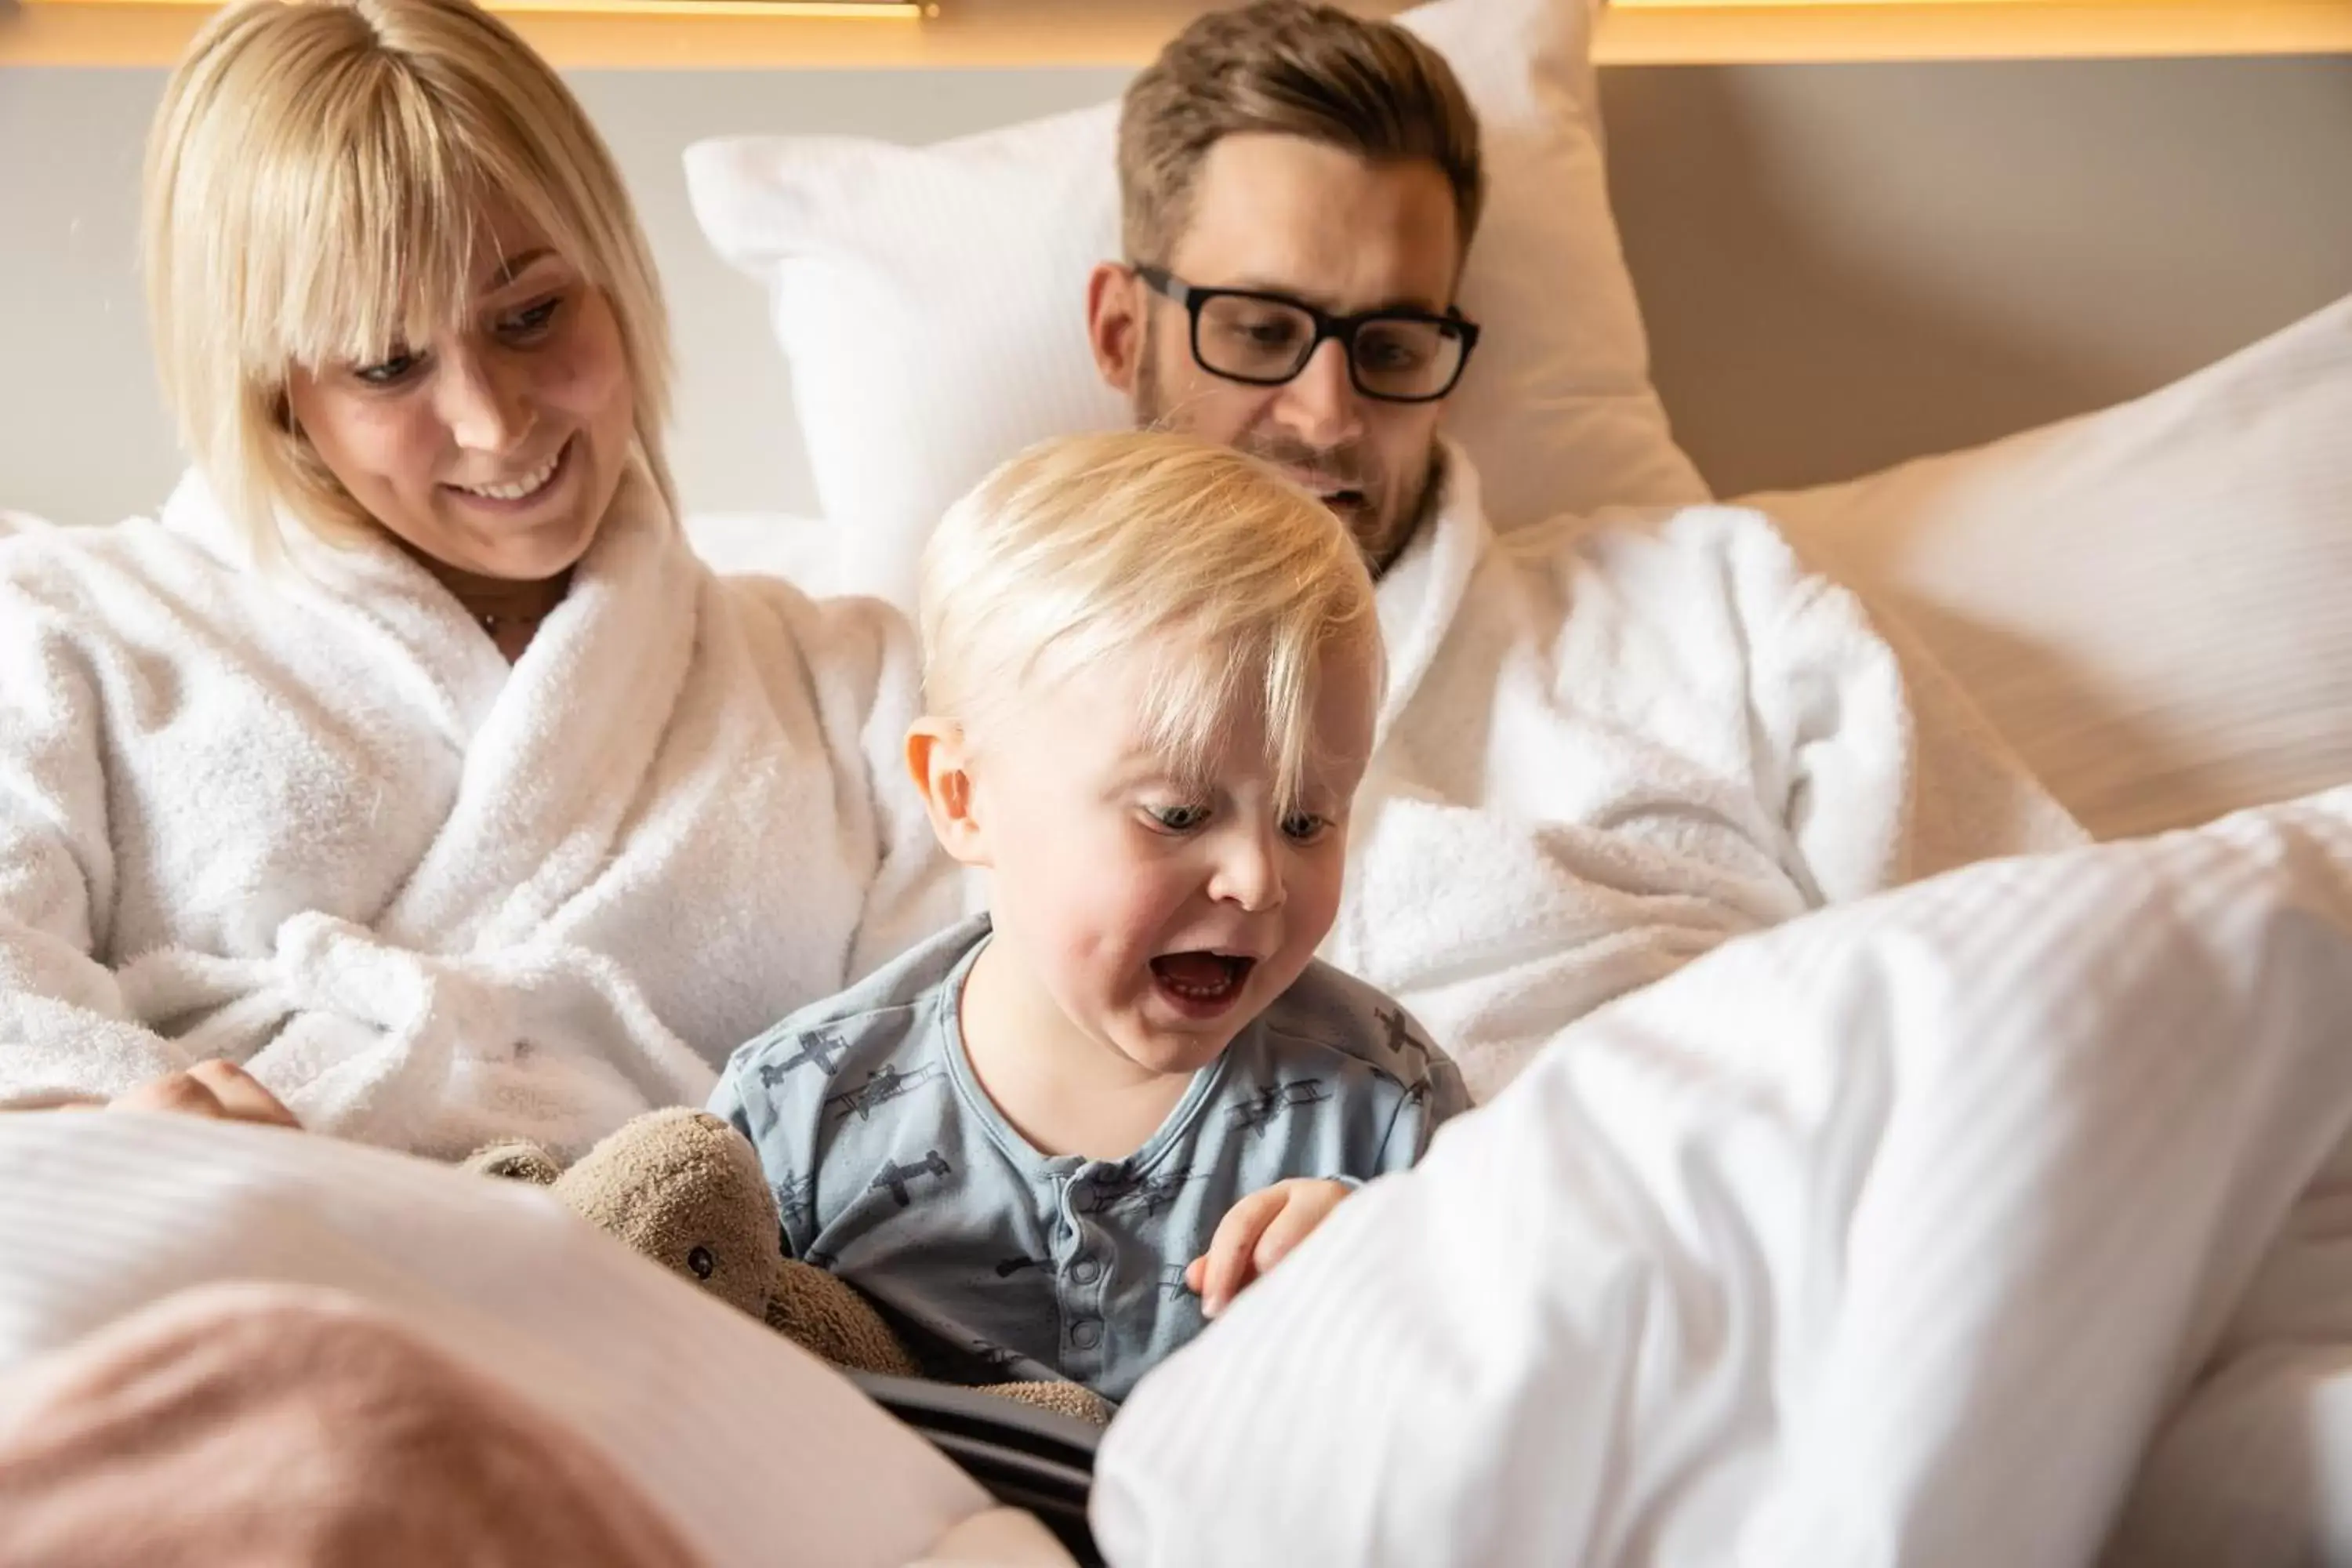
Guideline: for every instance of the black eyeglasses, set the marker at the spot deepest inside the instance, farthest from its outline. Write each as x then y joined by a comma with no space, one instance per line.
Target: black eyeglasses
1265,339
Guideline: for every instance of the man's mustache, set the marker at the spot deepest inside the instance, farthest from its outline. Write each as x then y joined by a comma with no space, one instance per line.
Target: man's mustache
1329,467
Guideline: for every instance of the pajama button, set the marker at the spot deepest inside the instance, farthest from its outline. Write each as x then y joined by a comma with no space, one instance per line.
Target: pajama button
1086,1271
1086,1333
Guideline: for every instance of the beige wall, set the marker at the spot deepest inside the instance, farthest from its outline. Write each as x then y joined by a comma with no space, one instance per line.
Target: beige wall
1841,264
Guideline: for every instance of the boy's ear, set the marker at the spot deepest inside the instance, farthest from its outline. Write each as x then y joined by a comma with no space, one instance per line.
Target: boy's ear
939,762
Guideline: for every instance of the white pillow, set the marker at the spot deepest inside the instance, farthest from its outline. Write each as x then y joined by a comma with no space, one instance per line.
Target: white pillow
2152,603
800,550
930,301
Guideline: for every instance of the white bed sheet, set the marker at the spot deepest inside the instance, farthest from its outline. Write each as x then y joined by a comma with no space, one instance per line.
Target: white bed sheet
1892,1236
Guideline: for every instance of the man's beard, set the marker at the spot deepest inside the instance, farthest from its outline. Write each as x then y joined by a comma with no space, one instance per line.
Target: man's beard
1345,477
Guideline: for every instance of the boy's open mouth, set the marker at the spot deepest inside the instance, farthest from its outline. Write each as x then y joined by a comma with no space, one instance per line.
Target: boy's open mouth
1202,984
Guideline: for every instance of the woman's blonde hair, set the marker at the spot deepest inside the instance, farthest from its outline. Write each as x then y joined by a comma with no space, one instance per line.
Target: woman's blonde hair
1234,583
315,186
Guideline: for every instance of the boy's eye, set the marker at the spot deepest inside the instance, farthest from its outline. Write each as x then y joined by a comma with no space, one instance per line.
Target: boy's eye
1305,827
1177,818
385,372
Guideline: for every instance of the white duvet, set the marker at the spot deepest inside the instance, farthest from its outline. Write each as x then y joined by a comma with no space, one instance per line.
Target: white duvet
1979,1224
757,1453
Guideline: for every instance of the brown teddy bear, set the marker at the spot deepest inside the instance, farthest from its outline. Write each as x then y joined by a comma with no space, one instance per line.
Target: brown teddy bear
685,1189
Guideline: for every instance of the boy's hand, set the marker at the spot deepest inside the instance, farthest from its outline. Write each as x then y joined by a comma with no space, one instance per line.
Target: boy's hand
1256,1233
220,1090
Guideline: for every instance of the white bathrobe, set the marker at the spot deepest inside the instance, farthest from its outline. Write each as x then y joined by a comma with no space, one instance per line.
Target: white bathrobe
1609,746
311,821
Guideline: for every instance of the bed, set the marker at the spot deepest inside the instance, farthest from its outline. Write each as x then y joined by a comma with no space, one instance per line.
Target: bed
2146,604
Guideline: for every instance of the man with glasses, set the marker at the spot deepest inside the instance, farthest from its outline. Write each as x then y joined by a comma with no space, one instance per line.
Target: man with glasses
1606,748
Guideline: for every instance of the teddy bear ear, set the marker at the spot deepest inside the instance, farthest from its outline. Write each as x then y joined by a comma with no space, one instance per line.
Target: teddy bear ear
515,1162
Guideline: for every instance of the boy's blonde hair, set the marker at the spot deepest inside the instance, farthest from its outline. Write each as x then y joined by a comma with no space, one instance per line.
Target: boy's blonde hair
1233,581
315,185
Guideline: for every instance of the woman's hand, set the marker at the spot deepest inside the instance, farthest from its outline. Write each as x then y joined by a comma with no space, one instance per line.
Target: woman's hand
1256,1233
222,1090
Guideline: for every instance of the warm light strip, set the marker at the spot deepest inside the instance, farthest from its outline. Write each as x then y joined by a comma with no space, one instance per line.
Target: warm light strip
827,10
1709,32
753,34
1880,4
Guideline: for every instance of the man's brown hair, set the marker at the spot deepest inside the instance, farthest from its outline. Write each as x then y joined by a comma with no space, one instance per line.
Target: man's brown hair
1287,67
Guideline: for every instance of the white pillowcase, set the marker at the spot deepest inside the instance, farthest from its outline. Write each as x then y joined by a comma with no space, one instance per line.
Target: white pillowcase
2153,604
803,551
930,301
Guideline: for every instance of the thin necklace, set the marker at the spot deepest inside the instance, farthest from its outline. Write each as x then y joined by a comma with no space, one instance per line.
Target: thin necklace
493,621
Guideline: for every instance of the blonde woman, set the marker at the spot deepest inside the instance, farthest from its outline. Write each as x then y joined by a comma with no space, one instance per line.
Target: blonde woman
408,772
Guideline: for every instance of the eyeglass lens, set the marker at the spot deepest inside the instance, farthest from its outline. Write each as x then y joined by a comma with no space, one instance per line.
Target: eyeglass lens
1267,342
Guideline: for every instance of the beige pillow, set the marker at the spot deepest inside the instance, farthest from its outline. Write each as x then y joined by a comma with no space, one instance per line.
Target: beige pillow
2153,605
